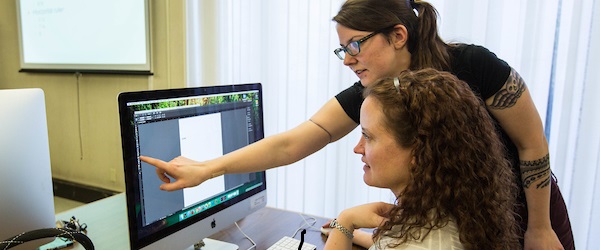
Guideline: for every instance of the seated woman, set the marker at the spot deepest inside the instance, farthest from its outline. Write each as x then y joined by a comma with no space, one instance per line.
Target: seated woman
430,140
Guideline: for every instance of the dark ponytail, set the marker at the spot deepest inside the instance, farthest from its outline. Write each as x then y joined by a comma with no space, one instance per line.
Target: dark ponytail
430,50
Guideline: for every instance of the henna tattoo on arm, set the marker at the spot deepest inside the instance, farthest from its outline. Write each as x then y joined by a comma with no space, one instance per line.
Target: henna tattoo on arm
536,172
510,92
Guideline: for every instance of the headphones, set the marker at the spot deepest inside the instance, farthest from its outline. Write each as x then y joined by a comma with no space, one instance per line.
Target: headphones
71,229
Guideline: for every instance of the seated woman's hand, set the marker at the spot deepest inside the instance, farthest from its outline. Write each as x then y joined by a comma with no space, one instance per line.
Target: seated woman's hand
369,215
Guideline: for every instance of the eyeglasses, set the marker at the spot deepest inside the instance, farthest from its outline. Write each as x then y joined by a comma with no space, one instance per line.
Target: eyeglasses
353,48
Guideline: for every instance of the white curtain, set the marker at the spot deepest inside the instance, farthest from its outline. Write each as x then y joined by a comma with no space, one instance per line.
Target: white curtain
575,122
287,46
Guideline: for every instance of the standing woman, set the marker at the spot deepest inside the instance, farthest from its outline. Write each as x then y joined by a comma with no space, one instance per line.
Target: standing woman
381,38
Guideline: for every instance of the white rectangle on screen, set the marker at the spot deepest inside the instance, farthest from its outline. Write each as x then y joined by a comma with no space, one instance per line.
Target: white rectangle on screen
200,139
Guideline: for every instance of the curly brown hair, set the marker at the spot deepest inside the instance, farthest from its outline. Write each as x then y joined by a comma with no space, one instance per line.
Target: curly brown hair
460,169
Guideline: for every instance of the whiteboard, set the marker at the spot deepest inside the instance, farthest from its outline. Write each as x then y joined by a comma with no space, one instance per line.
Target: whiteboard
84,35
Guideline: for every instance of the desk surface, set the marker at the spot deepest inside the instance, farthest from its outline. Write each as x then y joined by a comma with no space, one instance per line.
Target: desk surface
107,226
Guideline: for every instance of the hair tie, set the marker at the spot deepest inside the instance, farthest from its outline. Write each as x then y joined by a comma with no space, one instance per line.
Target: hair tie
397,84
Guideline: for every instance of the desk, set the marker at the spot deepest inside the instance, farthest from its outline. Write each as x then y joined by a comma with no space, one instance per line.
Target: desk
107,226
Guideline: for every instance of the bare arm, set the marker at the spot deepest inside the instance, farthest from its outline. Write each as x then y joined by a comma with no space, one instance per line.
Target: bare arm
292,145
516,112
369,215
329,124
363,239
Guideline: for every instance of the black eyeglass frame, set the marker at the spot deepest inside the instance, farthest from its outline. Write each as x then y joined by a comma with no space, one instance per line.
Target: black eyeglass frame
356,43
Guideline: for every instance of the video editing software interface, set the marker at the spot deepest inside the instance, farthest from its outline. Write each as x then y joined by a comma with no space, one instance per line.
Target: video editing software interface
199,128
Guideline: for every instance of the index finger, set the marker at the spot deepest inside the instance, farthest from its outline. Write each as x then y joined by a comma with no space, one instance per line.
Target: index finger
154,162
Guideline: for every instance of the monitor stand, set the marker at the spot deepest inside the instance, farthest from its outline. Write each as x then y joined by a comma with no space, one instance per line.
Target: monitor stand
210,244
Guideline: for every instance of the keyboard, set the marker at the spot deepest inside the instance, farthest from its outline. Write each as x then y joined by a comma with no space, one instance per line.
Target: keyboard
289,243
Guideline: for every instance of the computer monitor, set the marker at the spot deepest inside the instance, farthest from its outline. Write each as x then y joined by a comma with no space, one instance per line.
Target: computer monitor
26,196
199,123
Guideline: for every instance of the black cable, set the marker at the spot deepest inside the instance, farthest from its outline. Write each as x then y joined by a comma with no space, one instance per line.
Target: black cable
45,233
301,239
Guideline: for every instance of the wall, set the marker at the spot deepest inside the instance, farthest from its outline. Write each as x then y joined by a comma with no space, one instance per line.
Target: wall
82,112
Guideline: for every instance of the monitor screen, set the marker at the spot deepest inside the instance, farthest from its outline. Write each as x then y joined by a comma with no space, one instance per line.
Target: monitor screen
200,124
